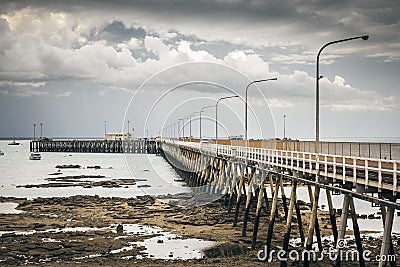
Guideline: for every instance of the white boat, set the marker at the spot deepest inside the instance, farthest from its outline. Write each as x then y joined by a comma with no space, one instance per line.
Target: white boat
35,156
13,143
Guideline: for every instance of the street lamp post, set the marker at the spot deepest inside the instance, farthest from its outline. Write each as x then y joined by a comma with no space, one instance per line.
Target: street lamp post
317,77
245,111
317,146
183,129
284,127
201,111
41,130
179,130
216,116
34,131
105,129
174,131
190,125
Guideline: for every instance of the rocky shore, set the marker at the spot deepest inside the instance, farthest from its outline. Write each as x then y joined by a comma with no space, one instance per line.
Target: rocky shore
90,231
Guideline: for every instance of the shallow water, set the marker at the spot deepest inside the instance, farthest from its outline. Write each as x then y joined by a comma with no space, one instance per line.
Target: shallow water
362,207
172,246
16,169
9,208
165,245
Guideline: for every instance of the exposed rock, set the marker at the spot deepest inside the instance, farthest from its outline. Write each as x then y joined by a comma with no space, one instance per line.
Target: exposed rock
120,229
71,166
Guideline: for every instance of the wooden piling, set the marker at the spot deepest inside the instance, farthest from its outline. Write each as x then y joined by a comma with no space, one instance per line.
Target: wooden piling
288,226
234,186
316,223
313,222
248,200
342,226
356,231
283,197
387,231
332,216
391,247
238,199
258,212
272,217
299,222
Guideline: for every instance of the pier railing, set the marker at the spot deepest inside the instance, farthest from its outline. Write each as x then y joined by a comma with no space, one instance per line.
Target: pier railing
377,150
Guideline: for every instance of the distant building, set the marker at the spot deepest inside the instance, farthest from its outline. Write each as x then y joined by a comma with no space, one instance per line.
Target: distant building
237,137
118,136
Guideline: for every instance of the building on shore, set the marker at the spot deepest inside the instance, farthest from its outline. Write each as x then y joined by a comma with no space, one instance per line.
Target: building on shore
118,136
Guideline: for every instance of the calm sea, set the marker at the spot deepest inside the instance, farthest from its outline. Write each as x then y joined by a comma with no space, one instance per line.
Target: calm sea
16,169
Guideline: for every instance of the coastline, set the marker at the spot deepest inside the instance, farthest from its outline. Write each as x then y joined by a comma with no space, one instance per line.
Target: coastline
100,216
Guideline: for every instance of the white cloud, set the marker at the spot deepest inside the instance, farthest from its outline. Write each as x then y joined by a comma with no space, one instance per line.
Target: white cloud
66,94
28,92
155,44
21,84
44,46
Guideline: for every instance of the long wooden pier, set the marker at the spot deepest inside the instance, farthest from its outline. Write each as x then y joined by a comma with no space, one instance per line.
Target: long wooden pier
138,146
242,174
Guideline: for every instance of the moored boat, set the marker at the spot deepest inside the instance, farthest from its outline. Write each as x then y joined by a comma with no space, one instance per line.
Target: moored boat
13,143
35,156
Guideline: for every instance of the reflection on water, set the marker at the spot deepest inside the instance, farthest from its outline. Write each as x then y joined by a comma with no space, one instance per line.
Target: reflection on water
9,208
165,245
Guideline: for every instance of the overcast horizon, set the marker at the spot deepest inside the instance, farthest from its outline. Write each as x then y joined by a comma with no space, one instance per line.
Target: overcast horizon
73,65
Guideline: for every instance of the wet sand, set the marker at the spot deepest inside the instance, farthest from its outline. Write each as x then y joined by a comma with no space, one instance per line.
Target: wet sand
209,222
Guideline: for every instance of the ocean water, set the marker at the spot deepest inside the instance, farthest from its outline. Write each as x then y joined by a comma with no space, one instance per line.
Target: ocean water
16,169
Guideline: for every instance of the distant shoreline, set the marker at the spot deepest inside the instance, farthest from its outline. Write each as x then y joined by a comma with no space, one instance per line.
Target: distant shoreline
383,140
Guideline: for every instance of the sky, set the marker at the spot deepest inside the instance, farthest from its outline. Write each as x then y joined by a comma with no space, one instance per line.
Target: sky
85,67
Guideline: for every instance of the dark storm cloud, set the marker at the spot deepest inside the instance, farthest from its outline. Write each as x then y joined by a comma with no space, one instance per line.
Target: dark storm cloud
384,11
118,32
239,11
252,23
298,21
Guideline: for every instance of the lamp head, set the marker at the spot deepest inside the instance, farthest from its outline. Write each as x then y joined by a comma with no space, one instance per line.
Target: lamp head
273,79
365,37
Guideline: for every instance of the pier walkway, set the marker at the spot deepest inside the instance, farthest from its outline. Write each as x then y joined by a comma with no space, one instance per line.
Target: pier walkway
242,174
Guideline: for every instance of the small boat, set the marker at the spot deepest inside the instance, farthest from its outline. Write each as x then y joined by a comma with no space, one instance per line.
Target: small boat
13,143
1,153
35,156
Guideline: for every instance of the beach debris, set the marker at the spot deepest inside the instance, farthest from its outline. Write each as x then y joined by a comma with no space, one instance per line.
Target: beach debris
143,185
94,167
120,229
71,166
